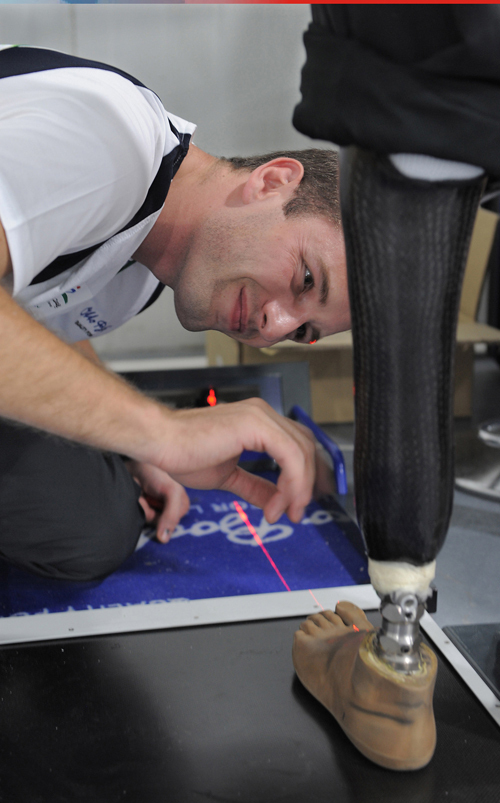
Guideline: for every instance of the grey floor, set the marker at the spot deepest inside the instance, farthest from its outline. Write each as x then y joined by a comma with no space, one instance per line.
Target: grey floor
468,566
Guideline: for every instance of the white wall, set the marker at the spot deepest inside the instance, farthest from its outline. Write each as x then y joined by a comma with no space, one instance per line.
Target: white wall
232,69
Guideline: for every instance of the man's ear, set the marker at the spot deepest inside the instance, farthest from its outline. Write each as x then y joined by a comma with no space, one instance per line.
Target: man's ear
281,177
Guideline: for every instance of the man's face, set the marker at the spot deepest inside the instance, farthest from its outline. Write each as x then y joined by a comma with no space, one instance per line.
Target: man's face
262,278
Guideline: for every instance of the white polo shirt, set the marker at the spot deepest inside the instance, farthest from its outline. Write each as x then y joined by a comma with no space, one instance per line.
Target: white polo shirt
87,154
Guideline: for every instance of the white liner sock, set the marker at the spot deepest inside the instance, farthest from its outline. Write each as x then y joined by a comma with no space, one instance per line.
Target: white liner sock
429,168
388,576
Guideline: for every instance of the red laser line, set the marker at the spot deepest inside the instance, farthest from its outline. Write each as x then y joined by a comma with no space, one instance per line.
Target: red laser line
315,600
257,537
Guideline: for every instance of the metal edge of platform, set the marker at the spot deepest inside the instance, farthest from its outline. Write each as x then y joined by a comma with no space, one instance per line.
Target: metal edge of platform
477,489
462,667
225,610
189,613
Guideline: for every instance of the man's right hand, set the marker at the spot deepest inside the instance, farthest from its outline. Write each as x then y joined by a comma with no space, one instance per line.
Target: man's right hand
202,447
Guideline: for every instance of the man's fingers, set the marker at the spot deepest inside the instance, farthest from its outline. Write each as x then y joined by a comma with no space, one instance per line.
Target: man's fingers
325,478
295,484
163,500
262,493
149,513
175,507
297,477
293,448
275,508
253,489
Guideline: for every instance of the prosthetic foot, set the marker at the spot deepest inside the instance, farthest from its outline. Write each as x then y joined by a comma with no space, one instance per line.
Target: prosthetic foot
378,686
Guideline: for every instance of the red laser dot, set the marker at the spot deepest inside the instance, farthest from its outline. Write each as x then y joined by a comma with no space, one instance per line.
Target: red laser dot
312,342
355,628
212,398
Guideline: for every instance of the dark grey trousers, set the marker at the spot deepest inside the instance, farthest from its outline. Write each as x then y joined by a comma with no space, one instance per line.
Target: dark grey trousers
66,511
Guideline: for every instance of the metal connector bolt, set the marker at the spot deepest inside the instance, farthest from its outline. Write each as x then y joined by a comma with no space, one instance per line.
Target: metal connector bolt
399,637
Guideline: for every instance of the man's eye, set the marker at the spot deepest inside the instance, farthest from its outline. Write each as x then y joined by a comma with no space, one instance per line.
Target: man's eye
308,279
300,333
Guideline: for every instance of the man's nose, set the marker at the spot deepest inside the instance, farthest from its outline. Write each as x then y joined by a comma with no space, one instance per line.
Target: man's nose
278,321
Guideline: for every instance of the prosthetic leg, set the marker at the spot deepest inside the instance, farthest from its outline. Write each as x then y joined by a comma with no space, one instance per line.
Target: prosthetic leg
407,239
407,223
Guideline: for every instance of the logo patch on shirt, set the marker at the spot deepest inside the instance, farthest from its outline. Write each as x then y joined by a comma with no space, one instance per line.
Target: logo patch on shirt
69,292
51,303
92,318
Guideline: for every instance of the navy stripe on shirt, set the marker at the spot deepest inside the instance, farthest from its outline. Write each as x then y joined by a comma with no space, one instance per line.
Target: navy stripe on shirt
19,60
153,202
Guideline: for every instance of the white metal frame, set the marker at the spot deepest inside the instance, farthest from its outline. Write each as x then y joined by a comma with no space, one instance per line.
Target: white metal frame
224,610
189,613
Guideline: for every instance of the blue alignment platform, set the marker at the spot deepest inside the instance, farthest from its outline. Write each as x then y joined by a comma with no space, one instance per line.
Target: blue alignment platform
212,553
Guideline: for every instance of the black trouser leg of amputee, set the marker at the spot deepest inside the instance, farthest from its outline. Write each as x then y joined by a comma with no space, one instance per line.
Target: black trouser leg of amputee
66,511
405,79
407,243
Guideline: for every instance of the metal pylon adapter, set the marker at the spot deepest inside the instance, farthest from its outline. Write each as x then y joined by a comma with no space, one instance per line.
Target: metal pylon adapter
399,639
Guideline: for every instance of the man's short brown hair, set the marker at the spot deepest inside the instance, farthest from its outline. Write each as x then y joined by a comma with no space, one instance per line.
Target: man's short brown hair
318,192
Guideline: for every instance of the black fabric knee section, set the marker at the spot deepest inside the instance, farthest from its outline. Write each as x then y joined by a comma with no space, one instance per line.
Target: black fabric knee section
405,78
66,511
407,243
